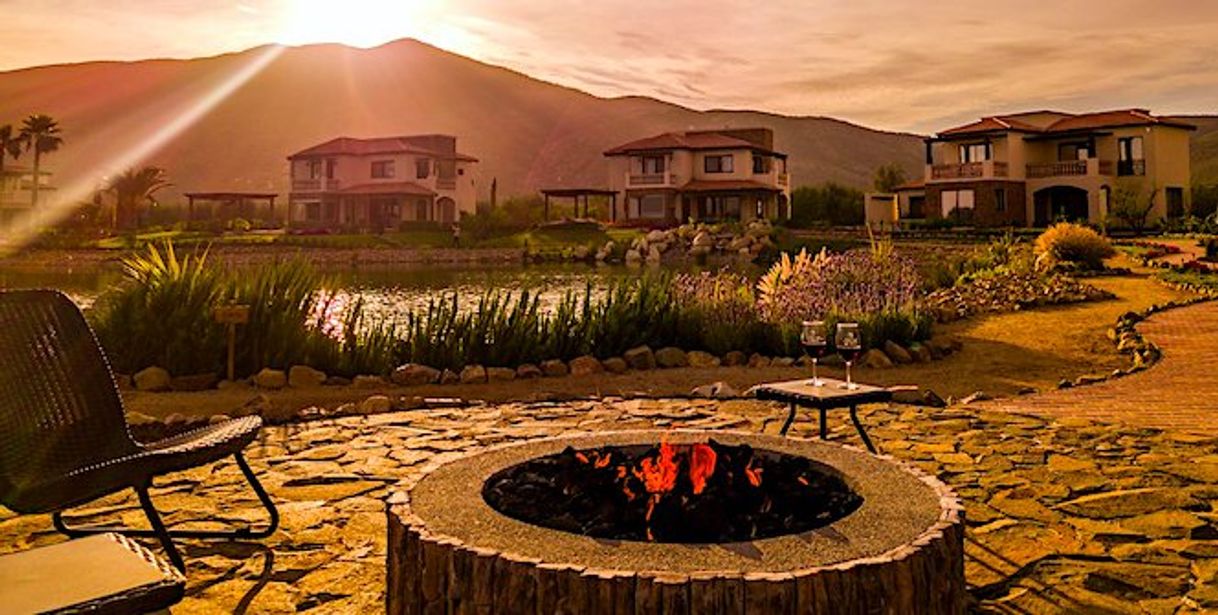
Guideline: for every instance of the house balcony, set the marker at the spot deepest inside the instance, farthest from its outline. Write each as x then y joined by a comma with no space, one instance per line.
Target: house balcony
446,183
651,180
986,169
784,180
1070,168
315,185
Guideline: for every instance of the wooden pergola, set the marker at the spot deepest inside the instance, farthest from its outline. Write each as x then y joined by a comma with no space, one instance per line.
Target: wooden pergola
236,200
580,194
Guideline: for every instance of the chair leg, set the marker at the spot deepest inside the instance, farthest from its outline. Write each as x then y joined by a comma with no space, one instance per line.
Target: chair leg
158,526
146,502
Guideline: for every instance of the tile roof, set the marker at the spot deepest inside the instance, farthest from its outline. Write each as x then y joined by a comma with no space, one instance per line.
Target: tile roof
1067,123
378,145
704,185
697,140
388,188
917,184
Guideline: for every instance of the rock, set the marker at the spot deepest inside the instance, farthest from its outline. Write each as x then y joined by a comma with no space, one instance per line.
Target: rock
716,390
615,365
940,347
272,379
1127,502
196,382
500,374
586,366
757,360
920,353
304,377
448,376
334,381
175,421
699,251
367,382
735,357
216,419
123,382
974,397
782,362
581,253
697,358
473,374
1164,524
554,368
897,353
656,236
414,374
875,358
671,356
528,370
633,257
654,255
151,379
139,418
703,240
641,358
347,409
376,404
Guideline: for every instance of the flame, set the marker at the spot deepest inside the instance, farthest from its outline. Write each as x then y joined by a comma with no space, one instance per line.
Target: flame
659,476
803,481
701,466
753,473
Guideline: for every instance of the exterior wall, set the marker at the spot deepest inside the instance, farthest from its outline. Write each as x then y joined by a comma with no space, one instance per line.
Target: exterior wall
985,211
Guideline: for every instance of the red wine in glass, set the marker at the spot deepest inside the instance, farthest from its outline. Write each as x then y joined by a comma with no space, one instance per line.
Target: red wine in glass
849,343
814,337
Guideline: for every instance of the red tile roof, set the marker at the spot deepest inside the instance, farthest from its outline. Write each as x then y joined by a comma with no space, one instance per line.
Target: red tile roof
379,145
388,188
704,185
696,140
917,184
1067,123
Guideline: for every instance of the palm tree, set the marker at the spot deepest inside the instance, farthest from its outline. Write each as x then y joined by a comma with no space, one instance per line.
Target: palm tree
10,144
132,188
40,133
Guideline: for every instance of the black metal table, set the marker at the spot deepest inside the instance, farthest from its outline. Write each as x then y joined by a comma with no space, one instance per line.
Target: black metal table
831,396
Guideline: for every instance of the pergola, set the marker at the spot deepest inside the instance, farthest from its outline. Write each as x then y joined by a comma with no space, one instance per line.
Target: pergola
230,199
578,194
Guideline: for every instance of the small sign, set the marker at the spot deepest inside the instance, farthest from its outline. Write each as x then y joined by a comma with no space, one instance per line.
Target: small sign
231,314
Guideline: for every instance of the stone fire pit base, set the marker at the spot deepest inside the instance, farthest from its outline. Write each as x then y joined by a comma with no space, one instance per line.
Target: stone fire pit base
900,552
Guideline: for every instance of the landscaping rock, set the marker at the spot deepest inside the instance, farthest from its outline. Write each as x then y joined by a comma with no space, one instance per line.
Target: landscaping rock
376,404
641,358
305,377
897,353
473,374
875,358
782,362
586,366
196,382
1127,502
414,374
528,370
940,347
368,382
411,402
216,419
333,381
554,368
271,379
757,360
670,356
448,376
735,357
716,390
697,358
123,382
139,418
152,379
920,353
615,365
500,374
974,397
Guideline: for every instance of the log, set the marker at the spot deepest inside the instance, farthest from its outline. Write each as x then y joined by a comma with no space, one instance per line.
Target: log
773,593
716,592
515,585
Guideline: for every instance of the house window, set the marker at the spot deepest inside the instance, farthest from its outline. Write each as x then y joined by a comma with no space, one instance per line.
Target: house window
1130,159
314,169
957,204
653,165
974,152
1000,199
718,164
761,165
382,169
651,206
1073,151
312,211
1175,202
330,164
421,210
422,168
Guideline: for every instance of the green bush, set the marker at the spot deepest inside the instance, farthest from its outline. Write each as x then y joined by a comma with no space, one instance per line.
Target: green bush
830,203
1072,245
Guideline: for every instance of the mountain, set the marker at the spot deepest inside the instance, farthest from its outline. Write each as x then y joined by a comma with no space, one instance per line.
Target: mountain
1204,148
527,133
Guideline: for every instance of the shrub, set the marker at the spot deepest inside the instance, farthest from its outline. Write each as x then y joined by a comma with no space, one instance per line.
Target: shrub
719,310
830,202
1073,245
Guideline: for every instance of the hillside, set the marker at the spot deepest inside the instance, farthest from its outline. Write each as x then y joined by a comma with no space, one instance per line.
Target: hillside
1205,148
528,133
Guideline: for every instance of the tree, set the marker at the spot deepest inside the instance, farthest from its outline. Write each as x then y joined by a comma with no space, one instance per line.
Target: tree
1128,206
132,189
888,177
39,133
10,145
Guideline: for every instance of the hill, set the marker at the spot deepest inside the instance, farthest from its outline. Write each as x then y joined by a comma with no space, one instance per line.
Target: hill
527,133
1205,149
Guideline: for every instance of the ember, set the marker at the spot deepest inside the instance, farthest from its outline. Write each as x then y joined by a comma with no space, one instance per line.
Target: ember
699,493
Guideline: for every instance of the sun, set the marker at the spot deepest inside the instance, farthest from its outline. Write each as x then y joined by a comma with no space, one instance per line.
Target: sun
359,23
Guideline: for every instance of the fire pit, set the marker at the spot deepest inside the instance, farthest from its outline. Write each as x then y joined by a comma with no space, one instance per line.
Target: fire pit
680,522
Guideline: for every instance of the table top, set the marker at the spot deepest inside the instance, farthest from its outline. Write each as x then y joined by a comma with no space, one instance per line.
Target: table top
832,395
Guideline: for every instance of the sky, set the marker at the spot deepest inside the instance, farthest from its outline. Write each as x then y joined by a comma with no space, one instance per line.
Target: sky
916,66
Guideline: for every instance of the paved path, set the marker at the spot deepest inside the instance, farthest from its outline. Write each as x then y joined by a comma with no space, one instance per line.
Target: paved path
1179,392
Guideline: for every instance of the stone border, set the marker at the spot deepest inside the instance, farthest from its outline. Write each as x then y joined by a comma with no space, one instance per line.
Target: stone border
430,571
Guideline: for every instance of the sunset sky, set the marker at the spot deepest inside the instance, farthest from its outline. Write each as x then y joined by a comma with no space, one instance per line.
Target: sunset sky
914,66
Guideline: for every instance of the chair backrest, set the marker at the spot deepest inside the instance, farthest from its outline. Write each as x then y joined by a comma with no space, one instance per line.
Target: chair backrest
59,408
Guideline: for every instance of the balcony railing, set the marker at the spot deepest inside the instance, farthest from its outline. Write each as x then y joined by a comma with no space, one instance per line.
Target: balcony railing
1070,168
956,171
1131,167
306,184
649,179
446,183
784,180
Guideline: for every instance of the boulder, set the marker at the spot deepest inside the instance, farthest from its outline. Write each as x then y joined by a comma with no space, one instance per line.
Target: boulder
500,374
783,362
633,256
656,236
196,382
716,390
640,357
473,374
414,374
735,357
272,379
698,358
151,379
703,240
581,253
654,254
940,347
615,365
920,353
671,356
448,376
333,381
412,402
305,377
216,419
897,353
586,366
528,370
123,382
376,404
875,358
367,382
699,251
554,368
758,360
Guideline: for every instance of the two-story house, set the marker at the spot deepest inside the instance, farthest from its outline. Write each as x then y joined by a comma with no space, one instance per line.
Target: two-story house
676,177
381,183
16,183
1037,167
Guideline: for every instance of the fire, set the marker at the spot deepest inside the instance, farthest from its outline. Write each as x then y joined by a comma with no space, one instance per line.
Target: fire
659,476
753,473
701,466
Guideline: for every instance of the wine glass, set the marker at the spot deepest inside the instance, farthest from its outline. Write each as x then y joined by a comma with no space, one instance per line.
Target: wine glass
849,345
814,337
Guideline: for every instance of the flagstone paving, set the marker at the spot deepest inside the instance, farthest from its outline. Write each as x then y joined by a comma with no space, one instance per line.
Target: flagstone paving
1063,517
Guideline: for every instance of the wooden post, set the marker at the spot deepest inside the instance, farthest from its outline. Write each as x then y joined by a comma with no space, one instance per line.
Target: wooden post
271,213
545,215
231,316
190,208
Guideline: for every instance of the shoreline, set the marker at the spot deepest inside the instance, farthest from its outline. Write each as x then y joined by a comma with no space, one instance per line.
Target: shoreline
61,258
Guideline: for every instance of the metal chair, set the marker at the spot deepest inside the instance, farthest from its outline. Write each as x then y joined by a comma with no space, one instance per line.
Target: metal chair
63,431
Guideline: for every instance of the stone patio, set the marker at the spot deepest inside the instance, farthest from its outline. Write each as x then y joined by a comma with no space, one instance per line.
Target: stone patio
1064,514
